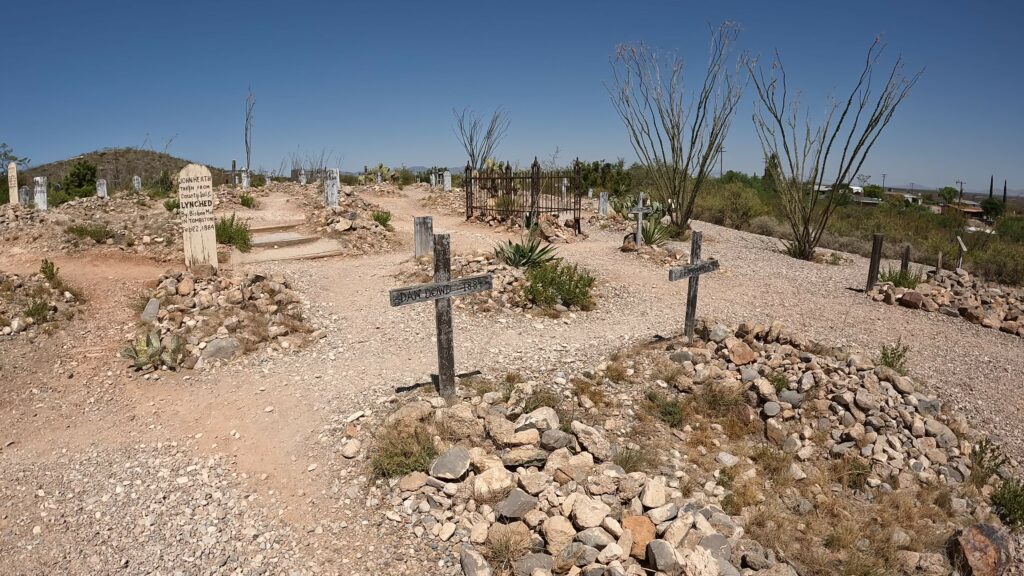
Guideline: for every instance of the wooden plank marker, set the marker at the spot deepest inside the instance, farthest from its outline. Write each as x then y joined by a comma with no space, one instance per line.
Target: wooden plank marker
876,259
692,272
423,235
640,210
961,250
441,291
905,259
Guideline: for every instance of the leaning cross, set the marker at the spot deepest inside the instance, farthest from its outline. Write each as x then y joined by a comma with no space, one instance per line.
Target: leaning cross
692,271
640,210
441,291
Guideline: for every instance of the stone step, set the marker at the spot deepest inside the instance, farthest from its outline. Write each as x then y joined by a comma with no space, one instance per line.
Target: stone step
320,248
280,239
275,226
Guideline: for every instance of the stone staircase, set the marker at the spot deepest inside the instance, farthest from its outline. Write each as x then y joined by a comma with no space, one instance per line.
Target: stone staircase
285,241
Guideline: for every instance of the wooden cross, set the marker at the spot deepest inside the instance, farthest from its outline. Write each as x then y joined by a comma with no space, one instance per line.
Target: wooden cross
692,272
441,291
640,210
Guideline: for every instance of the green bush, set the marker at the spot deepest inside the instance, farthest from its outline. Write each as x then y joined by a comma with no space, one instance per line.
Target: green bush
172,204
655,233
632,460
247,201
382,217
557,282
38,311
1008,501
908,278
98,232
232,232
525,254
398,452
671,411
986,459
49,270
162,186
895,355
80,182
1011,228
731,204
258,180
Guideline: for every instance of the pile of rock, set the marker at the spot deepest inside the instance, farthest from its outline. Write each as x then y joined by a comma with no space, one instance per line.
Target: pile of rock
957,293
26,302
507,281
231,196
133,222
544,492
386,190
548,226
453,202
207,319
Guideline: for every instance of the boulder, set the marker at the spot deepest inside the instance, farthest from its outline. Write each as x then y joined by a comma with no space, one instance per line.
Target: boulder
515,505
985,548
698,561
661,556
473,563
451,465
589,512
592,440
222,349
558,533
491,483
642,530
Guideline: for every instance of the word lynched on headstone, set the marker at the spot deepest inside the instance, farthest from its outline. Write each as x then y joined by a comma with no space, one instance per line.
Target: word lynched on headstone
692,272
12,183
331,186
40,192
441,291
195,197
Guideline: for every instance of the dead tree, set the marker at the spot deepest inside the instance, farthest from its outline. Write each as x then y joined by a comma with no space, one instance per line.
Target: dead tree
479,142
250,103
818,161
677,137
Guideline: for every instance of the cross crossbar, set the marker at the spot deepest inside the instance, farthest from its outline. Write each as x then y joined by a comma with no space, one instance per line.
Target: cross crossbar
436,290
702,267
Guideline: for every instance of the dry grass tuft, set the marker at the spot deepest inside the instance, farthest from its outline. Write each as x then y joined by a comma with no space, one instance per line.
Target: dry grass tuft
398,452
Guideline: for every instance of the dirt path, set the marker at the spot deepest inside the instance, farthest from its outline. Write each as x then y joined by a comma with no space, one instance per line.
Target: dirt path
279,421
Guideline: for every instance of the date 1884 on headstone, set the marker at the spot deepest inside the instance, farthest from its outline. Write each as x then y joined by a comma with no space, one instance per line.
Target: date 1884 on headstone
195,195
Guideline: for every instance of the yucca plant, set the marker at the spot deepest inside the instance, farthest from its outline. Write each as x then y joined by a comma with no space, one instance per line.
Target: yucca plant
528,253
655,233
147,351
908,278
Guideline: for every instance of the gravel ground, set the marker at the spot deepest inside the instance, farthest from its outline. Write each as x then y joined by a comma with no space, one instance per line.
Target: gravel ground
97,458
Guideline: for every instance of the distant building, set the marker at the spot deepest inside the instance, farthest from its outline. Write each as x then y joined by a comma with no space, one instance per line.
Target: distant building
968,208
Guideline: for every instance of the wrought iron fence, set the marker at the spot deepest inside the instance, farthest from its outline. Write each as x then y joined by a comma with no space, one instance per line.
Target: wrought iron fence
507,194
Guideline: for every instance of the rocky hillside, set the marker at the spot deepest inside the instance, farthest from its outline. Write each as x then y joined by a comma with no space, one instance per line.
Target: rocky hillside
118,165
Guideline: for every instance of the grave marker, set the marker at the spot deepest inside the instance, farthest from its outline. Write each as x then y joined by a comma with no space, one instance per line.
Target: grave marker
441,291
245,179
692,272
433,180
24,196
640,210
875,261
331,187
302,176
447,181
137,183
12,183
195,196
602,204
423,233
101,188
961,250
378,178
40,192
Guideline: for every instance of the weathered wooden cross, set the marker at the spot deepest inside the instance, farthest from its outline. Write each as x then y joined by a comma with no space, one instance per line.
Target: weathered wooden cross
640,210
692,271
441,291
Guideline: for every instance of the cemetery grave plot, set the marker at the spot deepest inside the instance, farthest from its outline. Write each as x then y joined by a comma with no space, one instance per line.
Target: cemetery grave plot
386,190
124,222
453,202
355,222
189,321
33,302
957,293
500,196
699,454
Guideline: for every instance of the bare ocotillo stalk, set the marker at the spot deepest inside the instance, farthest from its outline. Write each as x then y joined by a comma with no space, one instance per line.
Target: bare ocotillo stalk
250,103
678,138
479,142
818,162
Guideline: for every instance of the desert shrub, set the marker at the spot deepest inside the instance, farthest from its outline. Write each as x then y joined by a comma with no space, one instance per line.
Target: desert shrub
382,217
587,388
258,180
779,382
504,547
1008,501
655,233
730,204
851,472
80,182
633,460
38,310
505,206
986,459
405,176
148,352
894,355
671,411
769,226
720,400
172,204
98,232
49,270
398,452
908,278
233,232
247,201
162,186
998,261
540,399
557,282
1011,228
527,253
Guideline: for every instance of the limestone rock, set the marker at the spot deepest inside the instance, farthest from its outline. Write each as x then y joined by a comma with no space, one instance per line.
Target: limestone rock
451,465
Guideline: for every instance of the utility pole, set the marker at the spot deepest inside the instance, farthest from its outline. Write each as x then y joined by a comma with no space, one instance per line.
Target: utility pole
721,161
883,183
961,200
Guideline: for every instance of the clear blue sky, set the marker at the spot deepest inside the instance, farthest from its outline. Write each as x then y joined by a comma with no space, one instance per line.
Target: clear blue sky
376,81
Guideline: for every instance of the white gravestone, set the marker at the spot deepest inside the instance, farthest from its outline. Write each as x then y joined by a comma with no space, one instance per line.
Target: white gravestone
12,183
378,177
40,192
137,183
302,177
447,181
245,180
24,196
433,180
331,187
101,188
602,204
195,196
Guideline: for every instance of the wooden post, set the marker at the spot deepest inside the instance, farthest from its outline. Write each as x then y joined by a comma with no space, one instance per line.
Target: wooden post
961,248
691,290
534,192
233,177
423,234
905,259
468,183
876,259
938,264
443,315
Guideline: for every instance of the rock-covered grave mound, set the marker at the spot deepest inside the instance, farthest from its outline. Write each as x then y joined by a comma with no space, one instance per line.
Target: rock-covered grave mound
193,321
33,301
755,452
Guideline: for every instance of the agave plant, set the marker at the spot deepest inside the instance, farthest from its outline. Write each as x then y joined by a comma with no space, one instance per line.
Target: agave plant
525,254
655,233
147,351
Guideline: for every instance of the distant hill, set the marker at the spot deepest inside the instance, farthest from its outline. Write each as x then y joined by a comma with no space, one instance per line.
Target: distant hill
118,165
